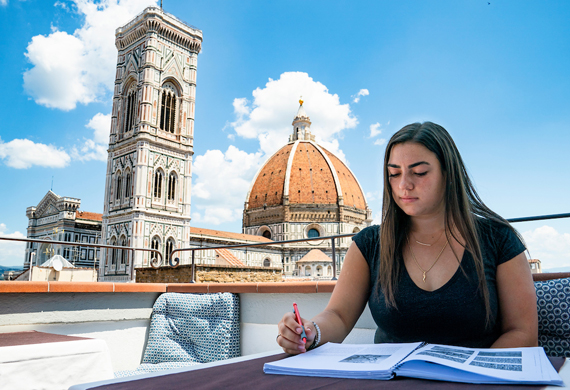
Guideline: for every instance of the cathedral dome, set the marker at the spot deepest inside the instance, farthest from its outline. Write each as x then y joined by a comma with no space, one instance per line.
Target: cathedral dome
302,172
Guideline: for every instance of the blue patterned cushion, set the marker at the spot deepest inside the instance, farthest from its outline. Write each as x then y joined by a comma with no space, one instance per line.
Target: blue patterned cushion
188,329
553,304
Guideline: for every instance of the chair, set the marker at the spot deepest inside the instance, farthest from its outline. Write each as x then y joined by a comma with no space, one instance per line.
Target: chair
553,304
189,329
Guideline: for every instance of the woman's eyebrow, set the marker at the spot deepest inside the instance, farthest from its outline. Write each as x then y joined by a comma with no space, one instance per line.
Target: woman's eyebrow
409,166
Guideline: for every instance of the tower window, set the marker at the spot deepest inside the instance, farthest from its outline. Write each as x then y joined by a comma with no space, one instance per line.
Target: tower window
130,108
169,247
168,109
128,186
157,184
267,234
171,191
113,252
155,244
123,251
119,184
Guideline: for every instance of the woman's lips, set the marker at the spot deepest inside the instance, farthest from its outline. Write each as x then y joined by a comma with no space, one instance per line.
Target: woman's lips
407,199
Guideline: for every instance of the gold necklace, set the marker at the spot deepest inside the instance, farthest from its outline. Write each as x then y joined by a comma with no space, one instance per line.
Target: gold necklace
436,260
424,244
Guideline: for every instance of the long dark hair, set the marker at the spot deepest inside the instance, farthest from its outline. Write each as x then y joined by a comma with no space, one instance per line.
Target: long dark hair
462,207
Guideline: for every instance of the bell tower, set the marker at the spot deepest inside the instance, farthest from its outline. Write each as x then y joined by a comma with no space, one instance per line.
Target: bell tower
147,189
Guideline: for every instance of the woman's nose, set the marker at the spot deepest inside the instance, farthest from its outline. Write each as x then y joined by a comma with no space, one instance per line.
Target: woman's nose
406,182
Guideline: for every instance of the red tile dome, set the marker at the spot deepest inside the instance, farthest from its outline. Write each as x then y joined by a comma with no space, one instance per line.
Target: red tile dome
305,173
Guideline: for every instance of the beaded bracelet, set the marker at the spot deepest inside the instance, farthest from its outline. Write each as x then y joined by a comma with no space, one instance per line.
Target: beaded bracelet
317,339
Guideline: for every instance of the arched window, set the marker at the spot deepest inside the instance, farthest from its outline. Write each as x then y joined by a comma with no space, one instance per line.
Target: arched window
267,263
130,108
170,245
158,184
119,184
313,233
123,251
168,108
307,271
154,244
267,234
319,270
171,191
128,185
113,252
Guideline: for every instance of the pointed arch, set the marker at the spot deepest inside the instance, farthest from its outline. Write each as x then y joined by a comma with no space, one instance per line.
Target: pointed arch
157,183
113,251
154,244
170,246
118,185
128,184
123,255
171,188
169,103
130,103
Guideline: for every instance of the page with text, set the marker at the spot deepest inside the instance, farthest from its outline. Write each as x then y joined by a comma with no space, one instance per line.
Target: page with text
521,365
345,360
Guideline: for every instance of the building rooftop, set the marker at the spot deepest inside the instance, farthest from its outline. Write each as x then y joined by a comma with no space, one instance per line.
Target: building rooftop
195,231
89,216
315,255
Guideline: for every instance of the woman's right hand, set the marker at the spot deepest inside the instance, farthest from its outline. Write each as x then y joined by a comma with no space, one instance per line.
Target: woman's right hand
289,337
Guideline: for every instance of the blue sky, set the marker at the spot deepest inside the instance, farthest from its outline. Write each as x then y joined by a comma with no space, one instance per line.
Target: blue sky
495,74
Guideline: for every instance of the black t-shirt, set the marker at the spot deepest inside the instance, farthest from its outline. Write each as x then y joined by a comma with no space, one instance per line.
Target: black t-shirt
454,314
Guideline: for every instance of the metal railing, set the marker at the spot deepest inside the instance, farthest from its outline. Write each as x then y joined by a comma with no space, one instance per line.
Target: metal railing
175,261
85,244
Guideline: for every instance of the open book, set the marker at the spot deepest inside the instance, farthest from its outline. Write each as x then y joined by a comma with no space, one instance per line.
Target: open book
420,360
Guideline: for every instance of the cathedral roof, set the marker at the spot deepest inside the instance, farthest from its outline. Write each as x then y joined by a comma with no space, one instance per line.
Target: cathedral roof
315,256
89,216
305,173
196,231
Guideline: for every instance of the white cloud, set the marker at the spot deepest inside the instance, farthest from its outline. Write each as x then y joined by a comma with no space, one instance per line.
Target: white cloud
377,218
101,124
548,245
89,151
222,179
96,148
23,153
380,141
268,118
375,195
79,68
11,252
221,184
3,2
362,92
375,129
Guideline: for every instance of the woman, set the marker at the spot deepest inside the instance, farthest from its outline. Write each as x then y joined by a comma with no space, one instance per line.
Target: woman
441,267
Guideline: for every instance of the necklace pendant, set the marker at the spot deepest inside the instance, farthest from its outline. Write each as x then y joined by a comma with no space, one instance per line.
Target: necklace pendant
424,277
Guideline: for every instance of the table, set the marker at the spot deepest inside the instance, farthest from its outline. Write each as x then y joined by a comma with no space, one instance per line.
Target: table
246,373
37,360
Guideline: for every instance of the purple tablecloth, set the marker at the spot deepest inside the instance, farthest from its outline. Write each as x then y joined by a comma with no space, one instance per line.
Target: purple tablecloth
248,375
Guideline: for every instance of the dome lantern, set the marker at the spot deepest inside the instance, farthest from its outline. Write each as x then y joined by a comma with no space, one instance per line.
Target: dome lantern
301,126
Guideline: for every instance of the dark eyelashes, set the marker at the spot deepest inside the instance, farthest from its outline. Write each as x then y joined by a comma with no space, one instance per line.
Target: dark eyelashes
390,175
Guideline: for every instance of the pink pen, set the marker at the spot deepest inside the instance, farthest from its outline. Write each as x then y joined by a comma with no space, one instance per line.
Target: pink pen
298,317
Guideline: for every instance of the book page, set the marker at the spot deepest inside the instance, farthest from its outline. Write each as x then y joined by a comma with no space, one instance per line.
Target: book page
509,364
333,357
